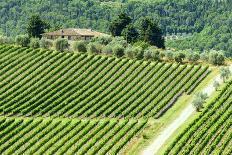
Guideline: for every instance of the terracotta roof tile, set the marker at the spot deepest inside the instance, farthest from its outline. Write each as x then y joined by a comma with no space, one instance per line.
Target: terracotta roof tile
75,32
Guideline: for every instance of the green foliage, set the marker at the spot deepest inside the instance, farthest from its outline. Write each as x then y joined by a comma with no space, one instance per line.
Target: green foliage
130,33
152,53
80,46
144,45
216,85
80,79
204,56
216,58
36,26
199,100
22,40
104,40
207,20
118,41
135,52
129,52
34,43
61,44
150,32
198,103
57,135
94,48
179,57
118,50
156,55
193,56
225,73
6,40
169,55
138,51
147,54
117,26
208,131
107,50
46,43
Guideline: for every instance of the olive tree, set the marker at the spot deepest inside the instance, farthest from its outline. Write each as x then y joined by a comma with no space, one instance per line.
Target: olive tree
199,100
225,73
118,50
94,48
22,40
34,43
46,43
61,44
80,46
107,50
193,57
216,85
179,57
216,58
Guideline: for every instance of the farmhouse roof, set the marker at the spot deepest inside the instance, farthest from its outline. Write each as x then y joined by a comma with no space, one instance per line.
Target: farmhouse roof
74,32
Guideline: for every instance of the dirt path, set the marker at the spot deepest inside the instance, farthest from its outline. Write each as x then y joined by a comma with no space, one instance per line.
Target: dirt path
185,114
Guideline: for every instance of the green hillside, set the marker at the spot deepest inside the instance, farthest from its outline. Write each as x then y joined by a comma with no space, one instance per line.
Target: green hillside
206,20
56,136
61,102
211,132
45,83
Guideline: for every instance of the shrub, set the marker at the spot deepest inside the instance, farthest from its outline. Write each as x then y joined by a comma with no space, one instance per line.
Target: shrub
119,41
129,52
22,40
147,54
118,50
34,43
134,52
156,55
179,57
45,43
142,44
216,58
152,53
104,40
80,46
198,103
138,52
225,73
169,55
198,100
6,40
130,33
161,54
94,48
61,44
204,56
216,85
193,57
107,50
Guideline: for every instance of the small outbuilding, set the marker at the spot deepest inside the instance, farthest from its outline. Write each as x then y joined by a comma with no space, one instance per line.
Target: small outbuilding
73,34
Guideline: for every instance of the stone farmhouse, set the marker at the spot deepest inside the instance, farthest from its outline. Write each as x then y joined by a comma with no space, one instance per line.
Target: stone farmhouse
73,34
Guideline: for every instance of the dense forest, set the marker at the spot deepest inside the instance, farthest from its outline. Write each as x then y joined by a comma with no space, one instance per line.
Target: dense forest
207,20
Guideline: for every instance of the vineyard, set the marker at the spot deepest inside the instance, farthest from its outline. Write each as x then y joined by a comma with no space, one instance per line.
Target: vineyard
74,103
211,132
39,136
45,83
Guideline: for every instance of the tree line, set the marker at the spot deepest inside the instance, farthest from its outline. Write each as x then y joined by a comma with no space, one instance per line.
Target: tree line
208,19
143,40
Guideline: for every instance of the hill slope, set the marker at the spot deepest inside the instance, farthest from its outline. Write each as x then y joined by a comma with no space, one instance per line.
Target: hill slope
45,83
66,136
211,132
